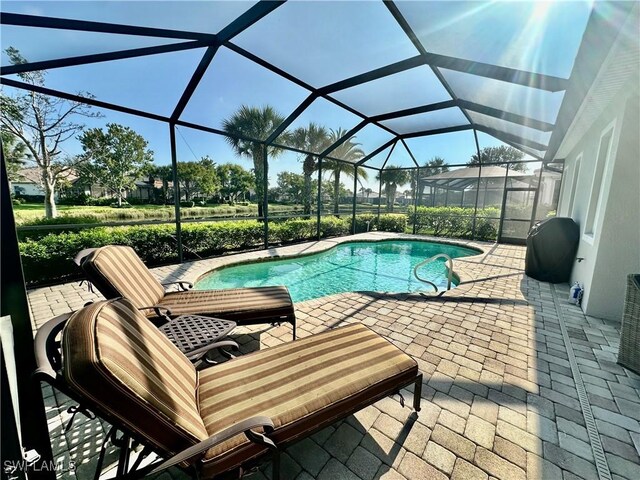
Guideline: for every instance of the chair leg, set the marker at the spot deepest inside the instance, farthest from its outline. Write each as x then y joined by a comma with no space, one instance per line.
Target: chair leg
275,472
125,451
293,323
103,451
417,393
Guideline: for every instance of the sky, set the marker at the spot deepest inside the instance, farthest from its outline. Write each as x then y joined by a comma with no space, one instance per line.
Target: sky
321,43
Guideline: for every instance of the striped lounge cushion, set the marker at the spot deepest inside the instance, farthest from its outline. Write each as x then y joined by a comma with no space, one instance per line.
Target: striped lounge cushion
256,304
301,386
117,271
114,356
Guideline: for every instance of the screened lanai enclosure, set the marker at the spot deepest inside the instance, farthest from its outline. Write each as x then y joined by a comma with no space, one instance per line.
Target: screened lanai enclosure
189,130
328,118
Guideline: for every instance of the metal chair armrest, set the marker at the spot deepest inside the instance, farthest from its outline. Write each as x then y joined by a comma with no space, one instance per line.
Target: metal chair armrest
182,285
82,254
161,311
245,427
42,345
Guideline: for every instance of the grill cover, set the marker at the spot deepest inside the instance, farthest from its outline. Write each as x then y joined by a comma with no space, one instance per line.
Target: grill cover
551,248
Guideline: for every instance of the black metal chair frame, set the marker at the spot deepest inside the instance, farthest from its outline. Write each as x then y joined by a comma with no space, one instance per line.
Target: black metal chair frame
48,355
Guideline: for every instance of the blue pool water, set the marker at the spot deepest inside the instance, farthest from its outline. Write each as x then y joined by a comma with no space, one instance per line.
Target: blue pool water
354,266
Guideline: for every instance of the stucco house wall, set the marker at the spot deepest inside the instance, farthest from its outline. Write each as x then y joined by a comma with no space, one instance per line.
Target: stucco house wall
612,250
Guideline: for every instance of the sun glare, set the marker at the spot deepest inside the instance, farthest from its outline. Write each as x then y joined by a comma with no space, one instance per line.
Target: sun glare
541,9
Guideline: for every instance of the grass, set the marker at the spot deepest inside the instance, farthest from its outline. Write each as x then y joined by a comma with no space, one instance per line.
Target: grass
33,213
30,213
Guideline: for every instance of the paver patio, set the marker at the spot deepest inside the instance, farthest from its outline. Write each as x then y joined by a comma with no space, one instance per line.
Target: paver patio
500,396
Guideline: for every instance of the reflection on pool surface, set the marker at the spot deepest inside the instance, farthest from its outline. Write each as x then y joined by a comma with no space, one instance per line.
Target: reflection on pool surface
385,266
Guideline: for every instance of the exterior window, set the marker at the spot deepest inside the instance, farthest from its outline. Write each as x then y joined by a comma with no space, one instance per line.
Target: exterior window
574,184
604,152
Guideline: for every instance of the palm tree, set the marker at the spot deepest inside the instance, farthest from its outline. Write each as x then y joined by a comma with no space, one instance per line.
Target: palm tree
313,138
256,123
434,166
368,191
350,152
392,179
431,167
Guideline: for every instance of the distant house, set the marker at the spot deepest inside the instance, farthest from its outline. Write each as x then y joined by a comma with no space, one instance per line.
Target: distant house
28,184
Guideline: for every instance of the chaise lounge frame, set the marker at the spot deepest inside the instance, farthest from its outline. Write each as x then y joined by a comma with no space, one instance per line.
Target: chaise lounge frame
49,369
272,305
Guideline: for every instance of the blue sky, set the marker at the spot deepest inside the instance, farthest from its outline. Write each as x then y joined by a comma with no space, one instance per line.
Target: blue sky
320,42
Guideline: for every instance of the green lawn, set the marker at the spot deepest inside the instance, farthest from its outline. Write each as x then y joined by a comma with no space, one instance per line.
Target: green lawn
36,210
29,212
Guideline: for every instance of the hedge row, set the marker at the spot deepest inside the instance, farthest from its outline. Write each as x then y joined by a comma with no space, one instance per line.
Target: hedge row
456,222
107,214
49,258
389,222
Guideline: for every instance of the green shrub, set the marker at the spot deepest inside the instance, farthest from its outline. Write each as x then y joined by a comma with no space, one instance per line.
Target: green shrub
334,226
392,222
292,230
455,222
99,202
362,219
50,258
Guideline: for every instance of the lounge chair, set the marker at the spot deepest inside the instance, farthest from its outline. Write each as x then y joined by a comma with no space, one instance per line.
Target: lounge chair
224,418
117,271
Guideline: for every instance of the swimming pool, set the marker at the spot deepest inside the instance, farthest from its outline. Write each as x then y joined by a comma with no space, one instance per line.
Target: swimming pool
383,266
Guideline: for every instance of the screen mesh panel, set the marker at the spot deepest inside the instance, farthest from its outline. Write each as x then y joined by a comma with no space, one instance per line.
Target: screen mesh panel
152,83
377,161
509,97
204,17
366,140
322,113
426,149
542,37
232,81
448,117
38,44
411,88
322,43
521,131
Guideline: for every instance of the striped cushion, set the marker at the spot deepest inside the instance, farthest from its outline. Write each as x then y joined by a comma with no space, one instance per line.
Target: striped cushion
260,303
300,385
117,271
114,356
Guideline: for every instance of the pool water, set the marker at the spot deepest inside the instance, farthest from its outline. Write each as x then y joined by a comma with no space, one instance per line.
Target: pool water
385,266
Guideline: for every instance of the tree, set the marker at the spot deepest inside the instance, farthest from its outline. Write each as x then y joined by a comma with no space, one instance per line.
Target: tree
114,158
368,191
234,180
502,155
198,178
14,152
165,174
392,179
255,123
350,152
434,166
43,123
313,138
431,167
328,187
292,186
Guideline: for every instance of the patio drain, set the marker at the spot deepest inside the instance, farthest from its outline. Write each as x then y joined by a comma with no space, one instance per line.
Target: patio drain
594,436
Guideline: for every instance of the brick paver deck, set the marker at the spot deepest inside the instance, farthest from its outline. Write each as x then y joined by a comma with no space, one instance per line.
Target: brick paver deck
499,397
